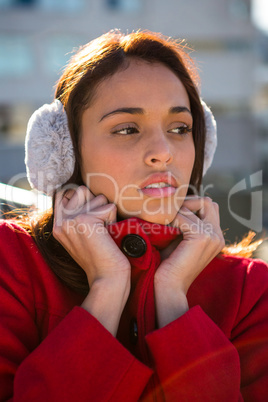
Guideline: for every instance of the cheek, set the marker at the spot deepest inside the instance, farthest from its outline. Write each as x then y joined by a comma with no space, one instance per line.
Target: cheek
102,173
95,157
192,159
184,161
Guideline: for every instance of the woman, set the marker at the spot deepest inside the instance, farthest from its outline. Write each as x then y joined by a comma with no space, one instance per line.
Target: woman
121,292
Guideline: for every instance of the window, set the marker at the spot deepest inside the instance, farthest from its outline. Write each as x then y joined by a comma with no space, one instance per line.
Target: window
5,119
66,6
25,2
50,5
58,51
124,5
16,57
17,3
240,9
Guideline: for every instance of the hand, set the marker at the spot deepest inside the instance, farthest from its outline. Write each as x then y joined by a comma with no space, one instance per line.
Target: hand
202,239
80,221
80,226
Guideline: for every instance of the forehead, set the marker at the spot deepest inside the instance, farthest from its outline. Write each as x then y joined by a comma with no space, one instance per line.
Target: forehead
143,82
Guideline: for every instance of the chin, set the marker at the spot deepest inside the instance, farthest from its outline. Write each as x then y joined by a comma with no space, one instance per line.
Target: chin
163,217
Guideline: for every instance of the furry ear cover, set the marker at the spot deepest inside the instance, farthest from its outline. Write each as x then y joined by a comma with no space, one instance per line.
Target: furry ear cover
211,137
49,155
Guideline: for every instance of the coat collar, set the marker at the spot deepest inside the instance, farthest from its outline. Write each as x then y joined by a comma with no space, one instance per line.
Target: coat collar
139,239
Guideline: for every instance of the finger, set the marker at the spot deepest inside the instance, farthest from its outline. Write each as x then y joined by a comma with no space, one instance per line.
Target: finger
192,228
192,197
107,213
207,211
77,198
209,215
60,203
112,217
195,204
189,223
210,227
59,197
92,205
217,212
186,221
192,217
67,195
204,207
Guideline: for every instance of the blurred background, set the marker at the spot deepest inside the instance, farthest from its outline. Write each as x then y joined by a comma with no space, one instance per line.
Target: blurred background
229,39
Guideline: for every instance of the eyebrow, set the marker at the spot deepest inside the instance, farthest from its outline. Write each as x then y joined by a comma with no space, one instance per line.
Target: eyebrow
179,109
138,110
129,110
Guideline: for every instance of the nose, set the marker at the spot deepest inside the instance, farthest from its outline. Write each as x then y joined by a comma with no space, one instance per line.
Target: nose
158,152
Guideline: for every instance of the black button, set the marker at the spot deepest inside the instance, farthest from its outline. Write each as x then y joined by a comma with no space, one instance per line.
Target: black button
133,331
134,245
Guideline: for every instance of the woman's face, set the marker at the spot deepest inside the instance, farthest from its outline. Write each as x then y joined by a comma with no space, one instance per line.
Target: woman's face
136,142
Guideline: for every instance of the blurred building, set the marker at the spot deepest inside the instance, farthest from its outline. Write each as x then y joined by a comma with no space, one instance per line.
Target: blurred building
37,36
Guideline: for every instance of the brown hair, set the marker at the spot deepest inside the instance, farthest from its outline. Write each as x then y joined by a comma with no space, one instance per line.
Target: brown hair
92,64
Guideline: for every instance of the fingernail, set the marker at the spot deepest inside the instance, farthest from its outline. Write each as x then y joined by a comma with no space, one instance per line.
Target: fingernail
185,211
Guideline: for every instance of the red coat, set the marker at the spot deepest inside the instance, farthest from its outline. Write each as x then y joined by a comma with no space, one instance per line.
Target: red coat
53,350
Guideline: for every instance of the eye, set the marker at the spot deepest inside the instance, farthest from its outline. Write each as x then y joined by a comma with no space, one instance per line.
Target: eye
126,130
182,129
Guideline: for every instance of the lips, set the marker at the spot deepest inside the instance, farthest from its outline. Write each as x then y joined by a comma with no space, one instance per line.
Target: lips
159,185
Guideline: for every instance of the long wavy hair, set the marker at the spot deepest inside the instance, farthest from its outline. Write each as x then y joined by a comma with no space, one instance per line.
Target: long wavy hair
92,64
